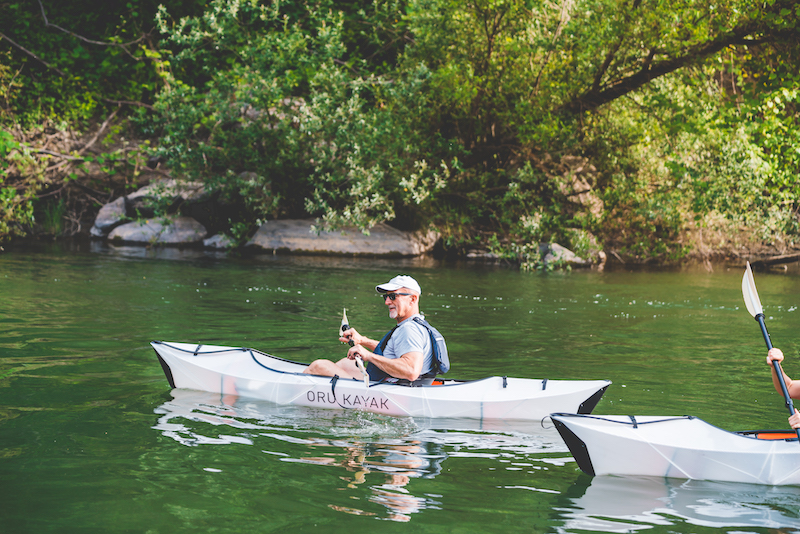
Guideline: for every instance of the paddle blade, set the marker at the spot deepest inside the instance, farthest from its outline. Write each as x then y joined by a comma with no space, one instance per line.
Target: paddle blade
345,326
750,294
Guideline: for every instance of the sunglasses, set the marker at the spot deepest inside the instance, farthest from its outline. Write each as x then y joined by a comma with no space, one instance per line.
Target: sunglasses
392,296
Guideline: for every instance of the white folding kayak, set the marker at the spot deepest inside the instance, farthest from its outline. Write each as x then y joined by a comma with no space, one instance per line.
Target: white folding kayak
249,373
679,447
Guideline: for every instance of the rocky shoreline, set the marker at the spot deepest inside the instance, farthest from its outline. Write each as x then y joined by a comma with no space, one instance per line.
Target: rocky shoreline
132,220
165,212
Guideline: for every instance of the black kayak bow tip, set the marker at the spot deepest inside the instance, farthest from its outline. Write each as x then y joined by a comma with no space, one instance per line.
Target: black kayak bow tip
576,446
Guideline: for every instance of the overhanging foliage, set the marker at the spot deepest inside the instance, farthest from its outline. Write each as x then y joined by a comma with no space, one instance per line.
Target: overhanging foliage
503,122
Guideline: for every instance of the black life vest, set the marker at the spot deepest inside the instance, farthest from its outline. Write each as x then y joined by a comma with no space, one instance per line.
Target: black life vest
440,363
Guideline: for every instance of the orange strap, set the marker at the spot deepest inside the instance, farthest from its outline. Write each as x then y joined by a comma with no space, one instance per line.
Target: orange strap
776,435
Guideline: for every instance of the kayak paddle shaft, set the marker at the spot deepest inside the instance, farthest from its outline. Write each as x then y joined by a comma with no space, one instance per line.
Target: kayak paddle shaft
777,366
359,361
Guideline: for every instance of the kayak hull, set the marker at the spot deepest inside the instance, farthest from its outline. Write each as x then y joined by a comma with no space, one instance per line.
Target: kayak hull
680,447
250,373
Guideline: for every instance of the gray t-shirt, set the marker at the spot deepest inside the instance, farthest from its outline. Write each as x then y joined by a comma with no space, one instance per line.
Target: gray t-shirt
411,337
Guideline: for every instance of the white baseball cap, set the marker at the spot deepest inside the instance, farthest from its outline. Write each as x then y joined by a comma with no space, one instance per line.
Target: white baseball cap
401,280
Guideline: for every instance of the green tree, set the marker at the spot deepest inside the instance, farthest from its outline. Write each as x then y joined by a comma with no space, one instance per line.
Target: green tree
524,85
637,123
269,103
66,68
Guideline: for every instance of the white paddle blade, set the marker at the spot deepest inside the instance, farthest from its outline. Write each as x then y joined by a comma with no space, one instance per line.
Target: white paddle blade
750,294
344,321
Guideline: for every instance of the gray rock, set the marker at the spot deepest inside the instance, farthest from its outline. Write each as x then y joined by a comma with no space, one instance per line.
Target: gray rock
170,188
555,253
115,213
482,255
295,235
109,217
218,241
163,195
169,231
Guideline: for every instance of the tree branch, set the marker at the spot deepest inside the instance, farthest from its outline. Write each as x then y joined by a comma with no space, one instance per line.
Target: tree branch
597,96
123,46
97,135
606,63
50,153
563,18
34,56
129,103
67,159
52,193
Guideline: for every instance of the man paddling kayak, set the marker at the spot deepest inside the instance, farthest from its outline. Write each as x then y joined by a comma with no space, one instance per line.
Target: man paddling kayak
411,351
791,386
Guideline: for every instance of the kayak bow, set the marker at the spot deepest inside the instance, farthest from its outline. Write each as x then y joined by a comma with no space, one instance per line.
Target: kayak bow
678,447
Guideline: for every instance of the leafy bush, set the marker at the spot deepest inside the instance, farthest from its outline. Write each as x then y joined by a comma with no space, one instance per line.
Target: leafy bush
278,119
503,123
706,161
20,181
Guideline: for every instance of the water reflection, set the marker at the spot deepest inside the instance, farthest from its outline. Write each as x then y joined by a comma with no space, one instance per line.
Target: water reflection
379,456
397,463
633,504
193,253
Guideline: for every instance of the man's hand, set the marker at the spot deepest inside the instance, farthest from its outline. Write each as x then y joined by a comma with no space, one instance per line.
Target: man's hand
792,386
357,351
351,335
357,339
774,355
794,420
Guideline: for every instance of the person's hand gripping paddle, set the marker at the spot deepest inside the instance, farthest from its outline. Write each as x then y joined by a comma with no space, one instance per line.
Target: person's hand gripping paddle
753,304
359,361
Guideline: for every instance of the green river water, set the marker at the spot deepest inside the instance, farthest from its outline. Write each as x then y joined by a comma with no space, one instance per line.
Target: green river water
93,440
